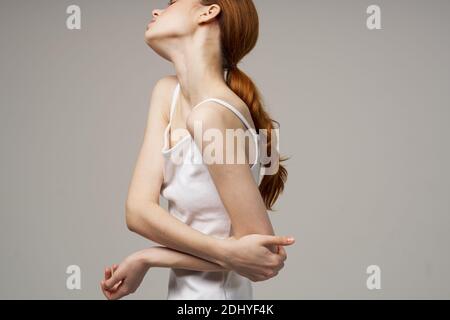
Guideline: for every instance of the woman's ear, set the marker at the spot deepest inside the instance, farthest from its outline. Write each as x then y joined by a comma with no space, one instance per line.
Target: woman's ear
209,13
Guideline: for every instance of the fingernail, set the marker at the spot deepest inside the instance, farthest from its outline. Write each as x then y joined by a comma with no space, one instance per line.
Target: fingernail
290,239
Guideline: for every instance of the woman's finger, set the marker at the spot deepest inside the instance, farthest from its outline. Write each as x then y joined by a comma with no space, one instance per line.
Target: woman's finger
282,252
116,286
106,293
118,293
276,240
111,281
107,273
113,269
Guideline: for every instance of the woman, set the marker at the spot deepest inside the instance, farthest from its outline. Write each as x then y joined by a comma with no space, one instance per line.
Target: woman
217,237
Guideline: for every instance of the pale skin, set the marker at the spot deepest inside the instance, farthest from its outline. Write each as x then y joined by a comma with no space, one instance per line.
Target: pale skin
252,250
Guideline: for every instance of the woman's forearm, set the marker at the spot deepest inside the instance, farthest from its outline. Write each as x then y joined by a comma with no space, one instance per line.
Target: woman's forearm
164,257
156,224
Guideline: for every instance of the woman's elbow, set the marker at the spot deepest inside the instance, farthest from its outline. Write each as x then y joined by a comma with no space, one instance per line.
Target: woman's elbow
137,213
132,215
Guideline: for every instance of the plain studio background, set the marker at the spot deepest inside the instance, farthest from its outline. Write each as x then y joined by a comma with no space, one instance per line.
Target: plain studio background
364,115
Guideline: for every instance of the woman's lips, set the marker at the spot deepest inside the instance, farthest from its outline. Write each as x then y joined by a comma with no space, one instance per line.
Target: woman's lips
148,26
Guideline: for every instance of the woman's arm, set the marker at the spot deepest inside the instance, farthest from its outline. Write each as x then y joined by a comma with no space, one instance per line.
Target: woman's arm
162,257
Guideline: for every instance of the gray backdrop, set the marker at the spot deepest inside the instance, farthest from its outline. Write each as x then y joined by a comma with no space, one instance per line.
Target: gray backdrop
364,115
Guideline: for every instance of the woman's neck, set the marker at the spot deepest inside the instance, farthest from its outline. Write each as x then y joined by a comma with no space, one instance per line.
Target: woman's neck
199,70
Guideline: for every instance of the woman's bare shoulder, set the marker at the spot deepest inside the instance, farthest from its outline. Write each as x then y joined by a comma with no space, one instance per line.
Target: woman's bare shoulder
161,95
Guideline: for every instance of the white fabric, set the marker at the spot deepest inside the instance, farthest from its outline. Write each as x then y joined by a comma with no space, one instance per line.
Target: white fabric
193,198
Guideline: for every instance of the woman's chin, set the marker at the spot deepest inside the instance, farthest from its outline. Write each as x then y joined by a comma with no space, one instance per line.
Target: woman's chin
149,36
151,41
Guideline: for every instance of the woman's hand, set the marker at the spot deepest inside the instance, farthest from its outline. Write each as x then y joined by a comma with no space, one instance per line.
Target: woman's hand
255,256
125,278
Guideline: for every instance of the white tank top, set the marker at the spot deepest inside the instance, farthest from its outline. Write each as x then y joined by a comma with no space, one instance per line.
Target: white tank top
193,198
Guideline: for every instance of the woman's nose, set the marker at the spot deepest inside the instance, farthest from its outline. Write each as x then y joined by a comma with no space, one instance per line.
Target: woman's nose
156,12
